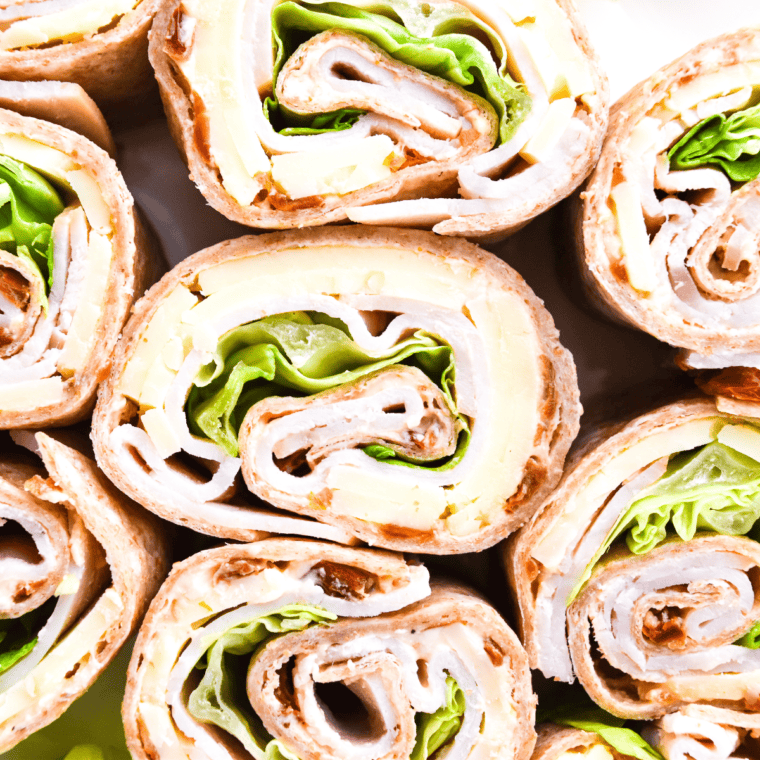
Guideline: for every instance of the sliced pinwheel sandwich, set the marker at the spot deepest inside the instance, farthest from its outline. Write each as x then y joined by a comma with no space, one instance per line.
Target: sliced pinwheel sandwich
640,574
101,45
577,732
470,117
670,225
301,650
388,385
73,257
79,564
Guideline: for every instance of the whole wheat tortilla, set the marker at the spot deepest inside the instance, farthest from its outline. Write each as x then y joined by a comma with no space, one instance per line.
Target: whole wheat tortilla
434,179
553,741
111,65
596,235
135,549
616,691
560,410
63,103
638,698
223,572
134,265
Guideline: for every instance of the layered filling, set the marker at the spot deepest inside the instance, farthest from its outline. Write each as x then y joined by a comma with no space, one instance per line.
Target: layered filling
684,211
52,572
287,674
657,556
686,736
221,668
337,389
613,737
682,735
318,100
55,247
36,23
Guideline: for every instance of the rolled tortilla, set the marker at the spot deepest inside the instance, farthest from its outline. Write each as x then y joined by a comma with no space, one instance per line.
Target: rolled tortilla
335,440
101,45
667,616
63,103
686,735
58,328
560,743
388,130
704,733
340,653
79,563
669,230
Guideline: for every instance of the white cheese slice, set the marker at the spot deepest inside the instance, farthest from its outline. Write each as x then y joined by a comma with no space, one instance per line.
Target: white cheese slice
68,585
634,238
334,171
48,676
89,310
31,394
214,72
549,131
643,136
377,499
334,269
578,79
161,432
714,688
156,383
742,438
71,23
544,58
90,196
574,74
706,86
165,325
48,161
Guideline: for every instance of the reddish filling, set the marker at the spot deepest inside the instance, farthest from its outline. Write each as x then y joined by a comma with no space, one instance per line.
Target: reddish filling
740,383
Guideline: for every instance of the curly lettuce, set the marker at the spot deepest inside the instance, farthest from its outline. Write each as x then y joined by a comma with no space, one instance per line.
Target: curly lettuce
434,730
28,206
712,488
219,697
454,56
730,143
608,727
300,354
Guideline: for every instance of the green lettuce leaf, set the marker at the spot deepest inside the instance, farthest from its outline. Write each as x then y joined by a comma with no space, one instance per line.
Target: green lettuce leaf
456,57
713,488
10,658
18,636
219,698
731,143
28,206
299,354
436,729
334,121
389,456
751,639
610,728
